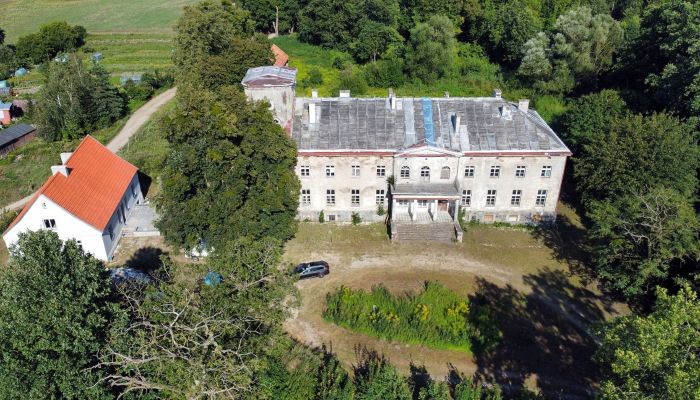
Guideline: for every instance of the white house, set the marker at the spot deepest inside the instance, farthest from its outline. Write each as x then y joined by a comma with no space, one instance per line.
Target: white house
87,198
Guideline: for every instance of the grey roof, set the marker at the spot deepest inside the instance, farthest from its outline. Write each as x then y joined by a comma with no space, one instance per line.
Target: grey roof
270,76
14,132
484,124
445,189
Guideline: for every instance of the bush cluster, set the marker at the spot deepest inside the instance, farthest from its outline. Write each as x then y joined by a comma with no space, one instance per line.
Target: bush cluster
437,317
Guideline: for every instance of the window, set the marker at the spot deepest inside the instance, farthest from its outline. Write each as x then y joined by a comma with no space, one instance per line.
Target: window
515,198
305,197
305,170
50,223
495,171
331,218
111,232
403,203
330,171
466,198
355,170
541,198
355,198
425,174
380,196
546,171
445,173
422,203
330,197
491,198
469,171
405,172
381,170
520,171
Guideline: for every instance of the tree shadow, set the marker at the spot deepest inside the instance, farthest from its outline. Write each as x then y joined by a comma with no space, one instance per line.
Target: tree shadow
146,259
546,338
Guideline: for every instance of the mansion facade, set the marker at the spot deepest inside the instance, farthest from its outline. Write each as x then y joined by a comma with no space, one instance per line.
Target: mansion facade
419,159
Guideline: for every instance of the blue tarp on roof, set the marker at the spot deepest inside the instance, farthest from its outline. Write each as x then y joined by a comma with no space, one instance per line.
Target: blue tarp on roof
428,121
21,72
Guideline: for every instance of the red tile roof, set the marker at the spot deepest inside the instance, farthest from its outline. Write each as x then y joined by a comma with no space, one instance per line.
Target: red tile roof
96,183
281,58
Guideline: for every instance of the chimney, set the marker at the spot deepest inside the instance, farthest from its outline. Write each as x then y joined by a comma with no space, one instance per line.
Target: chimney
392,99
447,94
344,94
506,112
65,157
314,93
60,169
312,113
524,105
497,93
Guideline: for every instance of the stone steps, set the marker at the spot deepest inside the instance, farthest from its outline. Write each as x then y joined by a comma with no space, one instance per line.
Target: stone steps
431,232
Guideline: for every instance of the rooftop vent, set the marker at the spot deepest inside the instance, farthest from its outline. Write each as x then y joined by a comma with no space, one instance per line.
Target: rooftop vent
60,169
455,119
314,93
447,94
344,94
497,93
506,113
524,105
312,113
392,99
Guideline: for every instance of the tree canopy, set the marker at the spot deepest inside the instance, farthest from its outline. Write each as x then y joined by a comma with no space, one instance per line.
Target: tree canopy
55,309
429,55
51,39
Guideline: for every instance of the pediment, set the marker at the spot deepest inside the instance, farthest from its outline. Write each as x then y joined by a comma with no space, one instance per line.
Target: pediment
427,151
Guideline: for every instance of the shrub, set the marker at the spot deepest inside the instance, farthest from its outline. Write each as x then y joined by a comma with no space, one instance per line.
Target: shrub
138,91
6,218
352,79
321,217
437,317
380,209
385,73
313,79
356,219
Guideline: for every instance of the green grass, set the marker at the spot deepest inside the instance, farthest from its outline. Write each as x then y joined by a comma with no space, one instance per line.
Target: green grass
148,149
436,317
20,17
132,52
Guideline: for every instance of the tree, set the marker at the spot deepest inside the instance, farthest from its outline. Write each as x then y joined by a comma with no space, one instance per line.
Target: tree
640,237
582,45
664,60
55,308
435,391
636,154
376,378
328,23
230,172
2,36
53,38
373,40
515,23
655,356
431,47
8,62
590,116
180,343
74,101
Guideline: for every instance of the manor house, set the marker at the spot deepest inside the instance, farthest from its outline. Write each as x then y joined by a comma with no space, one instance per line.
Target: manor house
420,160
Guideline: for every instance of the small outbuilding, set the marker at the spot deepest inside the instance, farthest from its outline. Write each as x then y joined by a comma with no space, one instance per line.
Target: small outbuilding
135,78
5,113
5,88
21,72
96,57
15,137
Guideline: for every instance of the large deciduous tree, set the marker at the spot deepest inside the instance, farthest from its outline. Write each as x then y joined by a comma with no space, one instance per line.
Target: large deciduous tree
52,39
430,51
55,310
640,237
591,116
210,343
328,23
76,100
230,173
655,356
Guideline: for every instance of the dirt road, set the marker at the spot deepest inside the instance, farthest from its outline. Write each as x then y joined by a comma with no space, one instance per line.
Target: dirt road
133,124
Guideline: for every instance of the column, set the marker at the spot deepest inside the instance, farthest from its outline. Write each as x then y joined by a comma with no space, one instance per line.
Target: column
414,206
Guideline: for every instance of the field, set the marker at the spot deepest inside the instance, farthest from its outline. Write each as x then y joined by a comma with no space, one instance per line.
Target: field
20,17
544,310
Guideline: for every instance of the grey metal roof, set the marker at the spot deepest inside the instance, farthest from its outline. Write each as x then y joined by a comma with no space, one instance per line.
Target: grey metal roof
270,76
484,124
14,132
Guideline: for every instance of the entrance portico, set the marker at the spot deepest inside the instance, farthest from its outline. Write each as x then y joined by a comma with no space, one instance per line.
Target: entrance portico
424,202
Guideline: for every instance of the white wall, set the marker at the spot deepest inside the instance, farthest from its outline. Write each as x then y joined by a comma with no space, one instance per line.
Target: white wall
69,226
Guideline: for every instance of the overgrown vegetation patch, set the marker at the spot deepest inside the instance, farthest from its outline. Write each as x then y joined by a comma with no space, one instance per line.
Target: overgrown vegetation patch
436,317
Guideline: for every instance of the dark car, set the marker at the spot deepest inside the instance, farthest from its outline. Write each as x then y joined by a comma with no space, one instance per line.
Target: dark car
313,268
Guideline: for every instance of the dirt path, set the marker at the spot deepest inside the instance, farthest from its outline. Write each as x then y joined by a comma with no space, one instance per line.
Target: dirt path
133,124
545,316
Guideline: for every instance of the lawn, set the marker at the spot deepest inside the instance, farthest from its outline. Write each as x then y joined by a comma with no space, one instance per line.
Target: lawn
543,309
20,17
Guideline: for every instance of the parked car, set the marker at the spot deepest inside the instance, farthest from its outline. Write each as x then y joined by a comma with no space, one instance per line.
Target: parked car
313,268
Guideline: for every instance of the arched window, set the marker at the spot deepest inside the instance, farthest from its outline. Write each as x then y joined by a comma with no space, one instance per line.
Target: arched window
425,174
405,172
445,173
